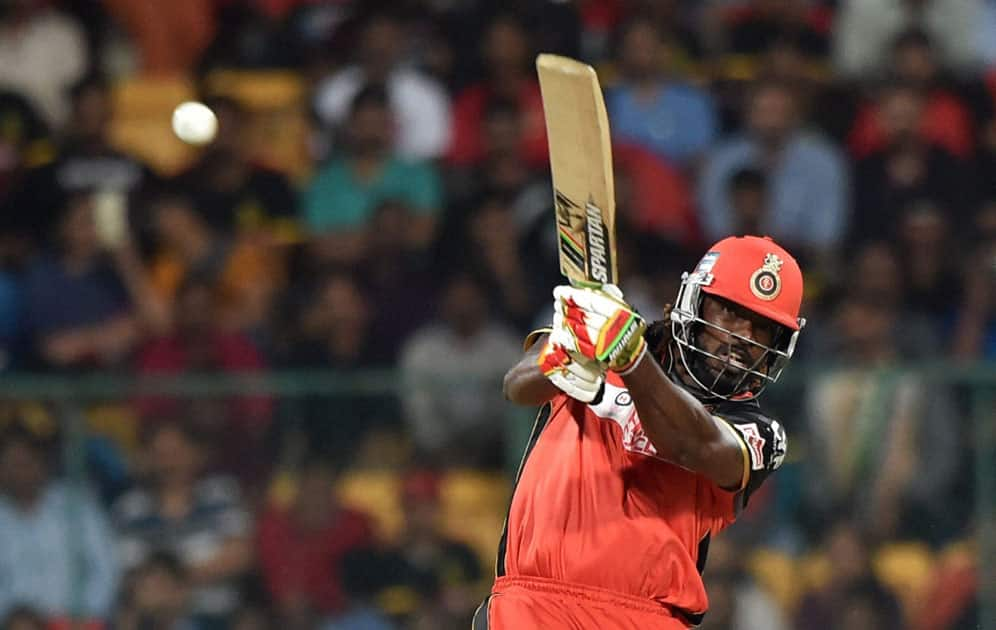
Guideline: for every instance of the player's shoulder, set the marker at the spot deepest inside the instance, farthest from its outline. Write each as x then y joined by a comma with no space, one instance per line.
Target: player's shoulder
763,435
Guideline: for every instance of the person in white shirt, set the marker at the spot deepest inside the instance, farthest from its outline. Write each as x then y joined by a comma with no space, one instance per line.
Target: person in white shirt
420,105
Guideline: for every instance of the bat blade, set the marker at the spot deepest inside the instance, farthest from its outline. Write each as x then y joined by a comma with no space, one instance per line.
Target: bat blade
581,165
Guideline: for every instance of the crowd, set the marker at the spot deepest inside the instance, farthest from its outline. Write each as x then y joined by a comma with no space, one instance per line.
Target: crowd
419,247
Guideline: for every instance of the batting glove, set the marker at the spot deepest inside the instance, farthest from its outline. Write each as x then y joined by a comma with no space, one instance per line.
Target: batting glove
579,378
598,325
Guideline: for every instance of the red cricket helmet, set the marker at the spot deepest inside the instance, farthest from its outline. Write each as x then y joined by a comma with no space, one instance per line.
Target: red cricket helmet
759,275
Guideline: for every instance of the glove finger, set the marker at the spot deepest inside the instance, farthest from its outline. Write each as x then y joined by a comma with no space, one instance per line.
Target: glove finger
613,290
585,373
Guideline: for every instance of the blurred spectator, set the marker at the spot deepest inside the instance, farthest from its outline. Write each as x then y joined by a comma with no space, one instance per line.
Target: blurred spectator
975,327
244,275
419,105
656,197
438,562
865,29
906,169
451,374
251,617
24,143
156,596
56,548
829,606
301,548
887,448
806,175
42,53
951,600
756,26
233,193
748,198
944,119
11,325
96,268
675,121
23,618
397,280
364,574
337,330
933,280
502,172
200,343
342,196
736,602
491,247
169,34
176,509
86,162
510,77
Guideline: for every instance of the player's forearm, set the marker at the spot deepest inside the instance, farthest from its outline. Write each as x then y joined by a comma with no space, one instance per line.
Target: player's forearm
525,384
680,428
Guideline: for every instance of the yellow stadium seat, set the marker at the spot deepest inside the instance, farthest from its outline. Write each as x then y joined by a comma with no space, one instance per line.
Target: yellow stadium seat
143,110
474,508
778,574
906,568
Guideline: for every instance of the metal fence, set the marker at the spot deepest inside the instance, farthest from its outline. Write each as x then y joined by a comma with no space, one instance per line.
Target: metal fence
975,385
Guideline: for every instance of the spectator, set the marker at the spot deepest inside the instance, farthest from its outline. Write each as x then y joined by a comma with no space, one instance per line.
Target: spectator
677,122
337,330
243,275
736,602
340,199
437,561
451,370
157,596
756,26
419,105
86,162
364,573
97,270
199,343
24,143
200,519
944,120
56,550
805,173
42,53
234,194
975,327
826,607
748,198
23,618
907,168
510,77
863,456
865,29
301,548
397,279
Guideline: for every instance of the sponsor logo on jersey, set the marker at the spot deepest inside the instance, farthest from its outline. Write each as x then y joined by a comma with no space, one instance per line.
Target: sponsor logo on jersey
779,445
755,444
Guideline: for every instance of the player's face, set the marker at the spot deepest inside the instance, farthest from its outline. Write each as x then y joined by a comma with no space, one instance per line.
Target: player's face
733,353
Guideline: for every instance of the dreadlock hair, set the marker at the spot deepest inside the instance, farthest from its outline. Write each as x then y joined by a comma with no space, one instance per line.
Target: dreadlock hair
659,335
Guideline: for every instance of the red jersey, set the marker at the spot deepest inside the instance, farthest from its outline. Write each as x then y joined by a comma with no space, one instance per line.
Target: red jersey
595,506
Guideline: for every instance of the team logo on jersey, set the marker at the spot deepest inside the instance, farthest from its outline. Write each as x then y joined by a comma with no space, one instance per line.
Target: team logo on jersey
765,283
755,443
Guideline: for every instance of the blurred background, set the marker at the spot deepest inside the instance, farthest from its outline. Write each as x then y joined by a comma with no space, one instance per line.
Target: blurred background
257,384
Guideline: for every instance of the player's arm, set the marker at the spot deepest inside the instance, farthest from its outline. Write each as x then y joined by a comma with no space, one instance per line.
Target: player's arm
601,326
525,383
683,431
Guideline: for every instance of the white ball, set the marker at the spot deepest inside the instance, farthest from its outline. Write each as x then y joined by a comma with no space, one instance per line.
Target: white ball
194,122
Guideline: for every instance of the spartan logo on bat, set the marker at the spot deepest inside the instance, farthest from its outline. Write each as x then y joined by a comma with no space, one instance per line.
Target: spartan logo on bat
569,214
599,261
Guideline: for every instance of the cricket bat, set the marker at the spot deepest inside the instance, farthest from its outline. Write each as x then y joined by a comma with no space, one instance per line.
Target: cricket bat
581,165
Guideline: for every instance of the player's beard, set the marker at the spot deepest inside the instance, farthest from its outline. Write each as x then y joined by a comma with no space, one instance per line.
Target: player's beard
725,376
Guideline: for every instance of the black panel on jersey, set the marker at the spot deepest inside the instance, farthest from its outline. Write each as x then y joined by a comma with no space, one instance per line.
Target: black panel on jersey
541,419
764,437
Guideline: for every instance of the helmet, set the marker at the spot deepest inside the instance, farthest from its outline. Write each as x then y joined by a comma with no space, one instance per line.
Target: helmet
759,275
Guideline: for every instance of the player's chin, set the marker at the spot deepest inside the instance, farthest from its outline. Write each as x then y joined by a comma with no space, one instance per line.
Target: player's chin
726,378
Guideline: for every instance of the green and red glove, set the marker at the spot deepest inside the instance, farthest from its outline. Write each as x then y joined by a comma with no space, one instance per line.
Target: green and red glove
598,325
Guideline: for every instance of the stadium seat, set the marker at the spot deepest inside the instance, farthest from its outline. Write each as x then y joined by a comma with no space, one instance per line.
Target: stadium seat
906,568
143,110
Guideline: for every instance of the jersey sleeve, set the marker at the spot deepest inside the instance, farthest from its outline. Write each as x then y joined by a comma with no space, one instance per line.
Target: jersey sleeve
764,444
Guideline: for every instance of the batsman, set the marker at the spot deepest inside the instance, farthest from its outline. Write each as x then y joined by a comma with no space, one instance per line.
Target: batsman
649,441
